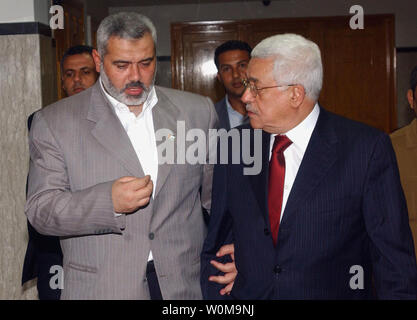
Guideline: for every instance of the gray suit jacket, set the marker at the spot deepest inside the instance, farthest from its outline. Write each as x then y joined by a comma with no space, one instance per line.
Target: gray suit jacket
78,147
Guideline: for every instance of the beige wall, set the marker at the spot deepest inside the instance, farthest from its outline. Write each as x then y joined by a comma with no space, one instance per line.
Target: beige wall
22,92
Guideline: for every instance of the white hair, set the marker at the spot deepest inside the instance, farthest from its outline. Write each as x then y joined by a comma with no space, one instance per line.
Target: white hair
125,25
296,61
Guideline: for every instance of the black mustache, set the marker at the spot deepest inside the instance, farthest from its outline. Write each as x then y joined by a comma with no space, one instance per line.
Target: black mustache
136,84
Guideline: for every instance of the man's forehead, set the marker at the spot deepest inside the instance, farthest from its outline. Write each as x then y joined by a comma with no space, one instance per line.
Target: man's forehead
78,60
259,68
121,46
234,55
261,62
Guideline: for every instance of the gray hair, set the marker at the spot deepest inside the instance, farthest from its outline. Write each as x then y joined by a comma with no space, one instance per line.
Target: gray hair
125,25
297,61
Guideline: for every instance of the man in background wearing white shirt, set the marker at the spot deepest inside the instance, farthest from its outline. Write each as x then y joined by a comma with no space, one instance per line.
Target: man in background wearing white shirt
231,59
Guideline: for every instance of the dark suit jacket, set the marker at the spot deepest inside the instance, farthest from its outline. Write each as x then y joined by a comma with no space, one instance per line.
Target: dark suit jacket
346,208
42,252
221,109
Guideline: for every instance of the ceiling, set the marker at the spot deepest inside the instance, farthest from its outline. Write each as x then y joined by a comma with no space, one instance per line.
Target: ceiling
99,8
129,3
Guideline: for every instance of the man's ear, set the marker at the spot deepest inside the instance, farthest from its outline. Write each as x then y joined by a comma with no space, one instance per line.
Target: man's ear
62,86
62,82
97,60
297,95
410,98
219,78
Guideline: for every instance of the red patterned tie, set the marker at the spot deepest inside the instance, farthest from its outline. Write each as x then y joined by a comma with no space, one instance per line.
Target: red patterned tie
276,182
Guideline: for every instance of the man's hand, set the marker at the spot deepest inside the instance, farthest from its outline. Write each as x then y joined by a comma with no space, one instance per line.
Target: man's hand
131,193
229,269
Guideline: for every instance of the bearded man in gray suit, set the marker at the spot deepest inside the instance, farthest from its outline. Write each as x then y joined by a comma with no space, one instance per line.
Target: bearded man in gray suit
130,226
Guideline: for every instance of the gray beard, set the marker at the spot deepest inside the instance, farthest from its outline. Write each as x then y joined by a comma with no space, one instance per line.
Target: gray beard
120,95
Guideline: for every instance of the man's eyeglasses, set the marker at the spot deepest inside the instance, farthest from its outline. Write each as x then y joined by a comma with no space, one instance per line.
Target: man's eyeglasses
254,90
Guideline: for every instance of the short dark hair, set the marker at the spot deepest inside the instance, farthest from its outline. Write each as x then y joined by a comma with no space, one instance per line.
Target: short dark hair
79,49
413,80
229,46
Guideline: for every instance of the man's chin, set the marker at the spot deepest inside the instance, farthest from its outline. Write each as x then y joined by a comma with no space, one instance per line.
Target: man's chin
255,124
235,93
133,100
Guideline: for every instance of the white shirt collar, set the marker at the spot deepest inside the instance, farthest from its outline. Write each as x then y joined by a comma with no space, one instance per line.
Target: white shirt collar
300,134
118,106
235,117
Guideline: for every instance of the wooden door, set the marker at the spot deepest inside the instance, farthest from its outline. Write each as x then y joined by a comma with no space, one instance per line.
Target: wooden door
193,57
359,69
95,23
72,34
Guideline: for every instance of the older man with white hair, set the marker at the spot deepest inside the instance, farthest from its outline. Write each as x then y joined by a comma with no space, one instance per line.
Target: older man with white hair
326,218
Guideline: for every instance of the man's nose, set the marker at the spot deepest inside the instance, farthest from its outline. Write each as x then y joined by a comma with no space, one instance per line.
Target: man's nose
236,73
77,76
134,74
247,96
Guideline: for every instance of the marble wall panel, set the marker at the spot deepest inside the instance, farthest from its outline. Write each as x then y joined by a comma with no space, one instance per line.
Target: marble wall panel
23,74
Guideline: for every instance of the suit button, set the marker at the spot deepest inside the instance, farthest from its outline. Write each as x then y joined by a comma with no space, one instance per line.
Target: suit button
266,231
277,269
151,236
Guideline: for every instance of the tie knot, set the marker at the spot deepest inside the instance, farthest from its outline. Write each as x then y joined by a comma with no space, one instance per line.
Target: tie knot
280,144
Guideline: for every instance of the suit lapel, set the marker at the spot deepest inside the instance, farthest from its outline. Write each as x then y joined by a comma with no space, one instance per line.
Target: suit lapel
259,182
223,114
319,157
165,115
110,133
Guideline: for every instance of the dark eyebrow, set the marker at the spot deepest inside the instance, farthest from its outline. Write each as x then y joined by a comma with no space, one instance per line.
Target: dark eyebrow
224,66
229,65
147,59
121,61
129,62
73,70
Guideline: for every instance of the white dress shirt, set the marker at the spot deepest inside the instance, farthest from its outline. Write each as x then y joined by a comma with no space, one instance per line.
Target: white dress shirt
300,137
235,118
141,133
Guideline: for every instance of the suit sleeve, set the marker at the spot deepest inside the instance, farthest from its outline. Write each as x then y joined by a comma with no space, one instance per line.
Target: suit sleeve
386,219
52,207
219,234
42,252
207,183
